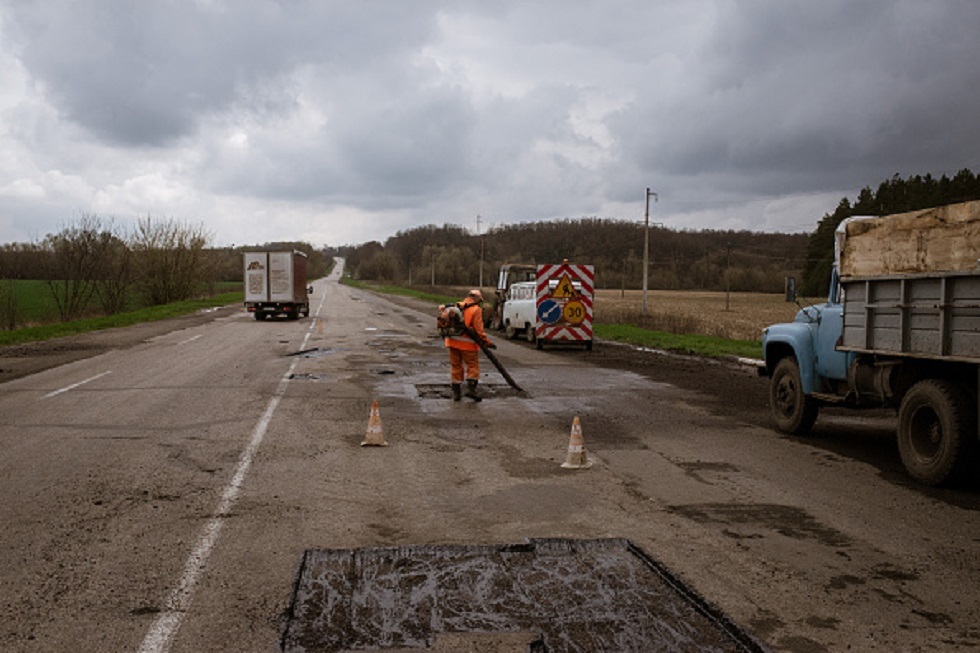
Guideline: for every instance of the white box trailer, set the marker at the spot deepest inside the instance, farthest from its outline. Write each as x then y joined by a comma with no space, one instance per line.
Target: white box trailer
275,284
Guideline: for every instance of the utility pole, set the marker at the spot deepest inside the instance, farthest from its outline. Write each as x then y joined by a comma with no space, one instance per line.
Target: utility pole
646,246
481,250
728,276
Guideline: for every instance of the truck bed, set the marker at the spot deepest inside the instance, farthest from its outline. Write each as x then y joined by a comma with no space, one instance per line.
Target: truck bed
934,316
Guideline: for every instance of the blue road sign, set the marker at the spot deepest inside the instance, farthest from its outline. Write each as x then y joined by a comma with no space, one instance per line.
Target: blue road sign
549,311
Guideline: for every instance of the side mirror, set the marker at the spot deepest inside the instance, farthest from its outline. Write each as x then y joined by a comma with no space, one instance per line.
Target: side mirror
790,285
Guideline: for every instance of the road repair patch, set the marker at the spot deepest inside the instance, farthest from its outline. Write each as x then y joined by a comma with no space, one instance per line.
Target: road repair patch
552,594
445,391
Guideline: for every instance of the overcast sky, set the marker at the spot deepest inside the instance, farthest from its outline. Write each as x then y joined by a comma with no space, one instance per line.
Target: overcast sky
340,122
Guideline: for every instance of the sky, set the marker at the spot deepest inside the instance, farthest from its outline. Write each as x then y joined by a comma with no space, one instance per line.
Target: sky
341,122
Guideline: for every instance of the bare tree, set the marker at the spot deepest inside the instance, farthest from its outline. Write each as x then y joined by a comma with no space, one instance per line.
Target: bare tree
171,258
72,258
8,305
114,275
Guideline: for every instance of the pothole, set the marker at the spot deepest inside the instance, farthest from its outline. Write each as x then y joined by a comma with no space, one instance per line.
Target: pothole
309,377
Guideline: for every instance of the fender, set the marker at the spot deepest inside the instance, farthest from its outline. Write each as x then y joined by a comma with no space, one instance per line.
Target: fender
794,338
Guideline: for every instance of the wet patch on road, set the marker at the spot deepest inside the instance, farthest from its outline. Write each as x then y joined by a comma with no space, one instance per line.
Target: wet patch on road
789,521
702,471
576,595
444,391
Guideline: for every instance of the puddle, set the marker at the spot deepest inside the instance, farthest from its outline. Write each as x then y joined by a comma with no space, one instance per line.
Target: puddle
575,595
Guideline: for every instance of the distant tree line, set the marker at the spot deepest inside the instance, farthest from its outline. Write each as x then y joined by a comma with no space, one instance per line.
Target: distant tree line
896,195
679,260
451,255
92,266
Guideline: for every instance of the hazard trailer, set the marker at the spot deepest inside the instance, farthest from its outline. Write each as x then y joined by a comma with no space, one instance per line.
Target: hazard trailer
564,299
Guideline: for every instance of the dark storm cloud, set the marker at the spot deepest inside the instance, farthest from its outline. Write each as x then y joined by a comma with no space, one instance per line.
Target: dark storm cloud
386,112
793,97
144,73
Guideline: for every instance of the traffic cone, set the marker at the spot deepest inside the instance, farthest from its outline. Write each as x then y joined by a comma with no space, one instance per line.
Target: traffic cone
576,458
375,436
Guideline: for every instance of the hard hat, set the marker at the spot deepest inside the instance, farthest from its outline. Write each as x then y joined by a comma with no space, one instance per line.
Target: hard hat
476,294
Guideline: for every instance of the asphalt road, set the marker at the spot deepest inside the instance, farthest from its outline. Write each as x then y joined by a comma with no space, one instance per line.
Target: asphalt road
160,497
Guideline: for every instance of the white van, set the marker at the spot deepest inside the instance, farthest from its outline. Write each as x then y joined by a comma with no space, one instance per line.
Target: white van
520,310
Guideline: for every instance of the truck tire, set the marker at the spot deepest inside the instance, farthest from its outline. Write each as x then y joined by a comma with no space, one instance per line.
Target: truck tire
529,333
936,431
792,411
510,331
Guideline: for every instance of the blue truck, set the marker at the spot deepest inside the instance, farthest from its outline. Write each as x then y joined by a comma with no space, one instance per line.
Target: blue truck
901,329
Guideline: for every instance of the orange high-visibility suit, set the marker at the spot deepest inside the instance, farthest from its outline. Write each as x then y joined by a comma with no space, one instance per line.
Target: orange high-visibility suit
464,351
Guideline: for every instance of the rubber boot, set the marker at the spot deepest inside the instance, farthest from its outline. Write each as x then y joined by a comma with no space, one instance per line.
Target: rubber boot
456,391
471,390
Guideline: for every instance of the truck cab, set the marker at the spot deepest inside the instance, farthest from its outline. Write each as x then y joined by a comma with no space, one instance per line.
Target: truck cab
802,359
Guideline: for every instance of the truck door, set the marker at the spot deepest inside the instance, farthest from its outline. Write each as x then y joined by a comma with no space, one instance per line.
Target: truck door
830,363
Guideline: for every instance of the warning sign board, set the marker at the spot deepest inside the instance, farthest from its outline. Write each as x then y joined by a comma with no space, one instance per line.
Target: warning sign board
564,302
564,289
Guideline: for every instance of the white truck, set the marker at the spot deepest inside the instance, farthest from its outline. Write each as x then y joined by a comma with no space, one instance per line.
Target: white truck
520,310
901,328
275,284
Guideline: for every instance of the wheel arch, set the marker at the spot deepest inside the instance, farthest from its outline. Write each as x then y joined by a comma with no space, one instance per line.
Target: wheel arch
782,341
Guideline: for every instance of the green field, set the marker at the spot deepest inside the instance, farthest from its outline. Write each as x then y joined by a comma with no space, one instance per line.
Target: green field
36,312
620,328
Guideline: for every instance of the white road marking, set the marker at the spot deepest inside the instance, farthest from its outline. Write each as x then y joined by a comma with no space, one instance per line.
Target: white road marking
191,339
75,385
164,628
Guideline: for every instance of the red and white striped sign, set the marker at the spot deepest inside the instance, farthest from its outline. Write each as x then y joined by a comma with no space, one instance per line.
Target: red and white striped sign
564,302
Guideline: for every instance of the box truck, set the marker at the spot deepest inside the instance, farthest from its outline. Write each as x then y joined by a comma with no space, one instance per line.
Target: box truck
275,284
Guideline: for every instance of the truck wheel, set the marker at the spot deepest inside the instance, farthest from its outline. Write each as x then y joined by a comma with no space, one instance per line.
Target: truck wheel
529,332
792,410
510,331
936,431
259,315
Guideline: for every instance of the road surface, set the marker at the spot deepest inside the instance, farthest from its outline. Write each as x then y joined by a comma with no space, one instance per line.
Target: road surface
161,496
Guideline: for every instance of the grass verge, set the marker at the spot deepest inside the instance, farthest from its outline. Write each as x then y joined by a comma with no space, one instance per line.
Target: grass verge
49,331
400,291
683,343
700,345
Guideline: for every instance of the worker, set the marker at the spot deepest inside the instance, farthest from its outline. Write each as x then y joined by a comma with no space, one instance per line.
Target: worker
463,350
